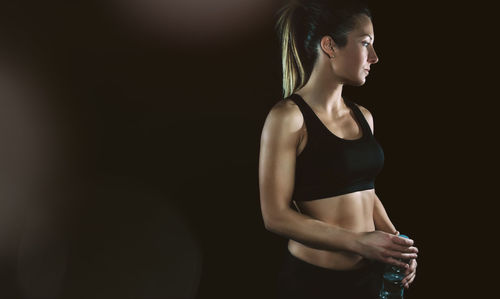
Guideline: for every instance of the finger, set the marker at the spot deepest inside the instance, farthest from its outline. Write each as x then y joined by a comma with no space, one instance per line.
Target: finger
412,278
413,264
402,241
404,248
409,281
413,267
410,272
395,262
409,278
409,275
401,255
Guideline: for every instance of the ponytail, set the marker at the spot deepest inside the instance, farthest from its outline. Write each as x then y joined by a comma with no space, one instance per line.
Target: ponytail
300,27
292,67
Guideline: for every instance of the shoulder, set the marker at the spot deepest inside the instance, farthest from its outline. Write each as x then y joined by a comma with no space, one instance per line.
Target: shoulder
283,125
286,115
367,114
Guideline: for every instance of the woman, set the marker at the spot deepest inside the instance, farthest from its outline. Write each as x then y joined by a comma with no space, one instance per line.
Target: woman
319,153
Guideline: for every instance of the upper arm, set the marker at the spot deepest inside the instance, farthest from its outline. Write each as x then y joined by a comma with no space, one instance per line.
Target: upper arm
278,151
368,116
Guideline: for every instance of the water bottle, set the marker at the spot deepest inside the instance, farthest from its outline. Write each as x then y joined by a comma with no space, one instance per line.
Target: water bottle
391,284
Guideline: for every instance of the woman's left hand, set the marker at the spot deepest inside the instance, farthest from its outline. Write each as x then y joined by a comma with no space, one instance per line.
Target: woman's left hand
410,274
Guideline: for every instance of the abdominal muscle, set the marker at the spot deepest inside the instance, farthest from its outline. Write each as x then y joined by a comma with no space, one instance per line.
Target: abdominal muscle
352,211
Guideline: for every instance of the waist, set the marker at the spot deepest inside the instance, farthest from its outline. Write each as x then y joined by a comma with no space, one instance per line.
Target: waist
333,260
311,191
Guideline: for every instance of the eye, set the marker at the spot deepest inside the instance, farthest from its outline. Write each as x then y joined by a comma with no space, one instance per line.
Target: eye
367,43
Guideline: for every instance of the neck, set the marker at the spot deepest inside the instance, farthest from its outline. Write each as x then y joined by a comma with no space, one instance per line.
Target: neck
324,91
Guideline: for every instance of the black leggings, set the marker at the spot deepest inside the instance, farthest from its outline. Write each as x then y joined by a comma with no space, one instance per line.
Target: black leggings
299,279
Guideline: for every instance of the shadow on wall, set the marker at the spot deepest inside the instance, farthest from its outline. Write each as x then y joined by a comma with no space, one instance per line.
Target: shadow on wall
123,241
132,243
64,237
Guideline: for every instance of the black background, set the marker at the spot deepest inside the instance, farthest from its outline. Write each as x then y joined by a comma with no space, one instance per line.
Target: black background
154,127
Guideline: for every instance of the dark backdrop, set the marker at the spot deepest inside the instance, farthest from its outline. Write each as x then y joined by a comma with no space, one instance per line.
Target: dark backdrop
149,184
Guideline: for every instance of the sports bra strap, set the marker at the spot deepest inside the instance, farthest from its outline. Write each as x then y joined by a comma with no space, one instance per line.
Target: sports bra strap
310,119
359,116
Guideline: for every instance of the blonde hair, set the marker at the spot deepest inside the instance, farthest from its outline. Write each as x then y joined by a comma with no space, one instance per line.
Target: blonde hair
292,68
301,25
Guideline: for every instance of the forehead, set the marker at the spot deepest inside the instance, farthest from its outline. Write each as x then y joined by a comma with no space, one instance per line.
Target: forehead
364,28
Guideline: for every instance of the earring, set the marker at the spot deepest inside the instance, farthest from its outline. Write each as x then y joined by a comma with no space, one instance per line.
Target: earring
332,55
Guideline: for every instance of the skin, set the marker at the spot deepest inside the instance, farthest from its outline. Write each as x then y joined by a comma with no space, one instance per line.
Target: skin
285,135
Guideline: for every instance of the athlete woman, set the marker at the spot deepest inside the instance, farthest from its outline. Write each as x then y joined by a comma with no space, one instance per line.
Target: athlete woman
319,153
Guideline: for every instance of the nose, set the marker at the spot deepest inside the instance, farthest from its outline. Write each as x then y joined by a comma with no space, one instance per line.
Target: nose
373,58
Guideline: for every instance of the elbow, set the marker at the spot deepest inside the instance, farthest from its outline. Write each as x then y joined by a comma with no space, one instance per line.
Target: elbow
275,218
275,222
269,221
274,228
269,224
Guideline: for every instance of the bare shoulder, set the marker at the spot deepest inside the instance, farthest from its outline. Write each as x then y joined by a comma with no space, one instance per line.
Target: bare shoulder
285,115
368,116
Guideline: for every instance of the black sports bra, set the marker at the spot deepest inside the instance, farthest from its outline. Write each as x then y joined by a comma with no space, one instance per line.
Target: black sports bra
330,165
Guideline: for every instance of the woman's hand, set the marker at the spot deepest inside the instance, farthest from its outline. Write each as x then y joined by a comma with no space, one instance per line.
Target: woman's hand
410,273
386,248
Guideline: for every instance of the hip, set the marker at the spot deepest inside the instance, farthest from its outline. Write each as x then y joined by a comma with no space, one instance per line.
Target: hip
333,260
300,279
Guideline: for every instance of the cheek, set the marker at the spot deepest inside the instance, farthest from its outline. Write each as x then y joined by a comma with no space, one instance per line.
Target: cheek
355,60
353,66
351,63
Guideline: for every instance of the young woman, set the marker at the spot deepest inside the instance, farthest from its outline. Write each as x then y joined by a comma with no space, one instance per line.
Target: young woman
318,152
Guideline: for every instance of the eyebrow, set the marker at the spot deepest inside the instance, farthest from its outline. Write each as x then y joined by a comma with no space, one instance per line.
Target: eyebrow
368,35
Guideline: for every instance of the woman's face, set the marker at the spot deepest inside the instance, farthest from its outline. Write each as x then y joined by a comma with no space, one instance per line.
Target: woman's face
351,63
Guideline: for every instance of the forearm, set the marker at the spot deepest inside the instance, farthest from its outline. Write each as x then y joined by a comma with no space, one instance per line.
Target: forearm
314,233
381,219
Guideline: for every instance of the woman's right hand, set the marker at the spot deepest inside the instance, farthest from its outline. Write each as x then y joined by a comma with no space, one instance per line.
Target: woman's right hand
386,248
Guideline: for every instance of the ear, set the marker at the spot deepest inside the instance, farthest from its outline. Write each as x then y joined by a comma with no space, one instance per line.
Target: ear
328,41
326,44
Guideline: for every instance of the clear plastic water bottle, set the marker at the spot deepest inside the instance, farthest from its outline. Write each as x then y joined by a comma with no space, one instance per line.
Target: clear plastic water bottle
392,288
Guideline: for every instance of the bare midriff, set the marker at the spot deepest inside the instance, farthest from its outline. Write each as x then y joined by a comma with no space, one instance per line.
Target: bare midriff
353,211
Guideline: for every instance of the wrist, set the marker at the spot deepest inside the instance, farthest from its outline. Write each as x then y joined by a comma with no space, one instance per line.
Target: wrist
387,229
354,245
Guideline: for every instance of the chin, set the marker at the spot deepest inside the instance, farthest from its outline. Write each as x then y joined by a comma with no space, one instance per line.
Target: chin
359,82
356,82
